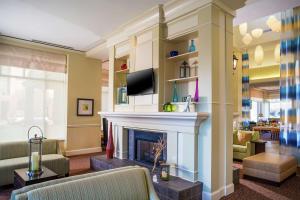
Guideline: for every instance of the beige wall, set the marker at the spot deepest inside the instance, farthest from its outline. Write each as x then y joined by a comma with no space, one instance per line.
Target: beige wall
84,81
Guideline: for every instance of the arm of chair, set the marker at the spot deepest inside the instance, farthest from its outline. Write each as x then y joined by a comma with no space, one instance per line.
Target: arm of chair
151,190
61,147
248,144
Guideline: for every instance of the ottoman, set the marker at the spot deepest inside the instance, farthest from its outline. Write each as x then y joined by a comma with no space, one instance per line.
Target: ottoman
270,166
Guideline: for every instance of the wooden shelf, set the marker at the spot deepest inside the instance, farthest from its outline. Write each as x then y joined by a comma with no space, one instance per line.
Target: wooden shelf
192,78
122,71
183,56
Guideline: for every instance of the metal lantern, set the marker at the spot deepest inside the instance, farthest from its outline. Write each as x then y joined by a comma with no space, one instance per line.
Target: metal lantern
164,172
35,151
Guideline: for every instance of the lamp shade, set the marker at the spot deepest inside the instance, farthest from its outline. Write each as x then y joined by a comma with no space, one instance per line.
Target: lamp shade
247,39
259,55
243,28
256,33
277,53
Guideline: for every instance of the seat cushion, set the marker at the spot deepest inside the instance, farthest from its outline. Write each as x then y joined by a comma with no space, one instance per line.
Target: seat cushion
118,185
239,148
56,162
270,162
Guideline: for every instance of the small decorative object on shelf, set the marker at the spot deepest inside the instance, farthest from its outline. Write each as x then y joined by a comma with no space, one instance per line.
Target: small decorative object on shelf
157,150
122,95
168,107
184,70
164,171
196,97
192,46
173,53
187,70
124,66
110,148
175,96
187,104
194,68
35,152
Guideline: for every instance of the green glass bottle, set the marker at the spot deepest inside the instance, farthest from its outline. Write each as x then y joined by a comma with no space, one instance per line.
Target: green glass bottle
175,96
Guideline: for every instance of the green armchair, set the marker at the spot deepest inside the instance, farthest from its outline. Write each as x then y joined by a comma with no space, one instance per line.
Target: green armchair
242,149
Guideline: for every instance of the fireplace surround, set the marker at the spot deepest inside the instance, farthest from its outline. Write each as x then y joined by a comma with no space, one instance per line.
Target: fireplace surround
180,129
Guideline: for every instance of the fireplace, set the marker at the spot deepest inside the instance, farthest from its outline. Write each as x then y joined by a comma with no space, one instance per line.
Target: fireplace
140,146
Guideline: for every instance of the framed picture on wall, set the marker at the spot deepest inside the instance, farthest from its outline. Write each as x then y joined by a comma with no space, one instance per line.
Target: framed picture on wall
85,107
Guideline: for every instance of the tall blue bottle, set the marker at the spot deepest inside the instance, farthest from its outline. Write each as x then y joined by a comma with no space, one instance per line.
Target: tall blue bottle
175,96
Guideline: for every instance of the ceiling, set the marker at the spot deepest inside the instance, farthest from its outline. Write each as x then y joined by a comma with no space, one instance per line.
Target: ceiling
267,37
83,24
75,23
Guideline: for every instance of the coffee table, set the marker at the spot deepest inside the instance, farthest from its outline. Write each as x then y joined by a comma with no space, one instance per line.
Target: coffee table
21,179
260,146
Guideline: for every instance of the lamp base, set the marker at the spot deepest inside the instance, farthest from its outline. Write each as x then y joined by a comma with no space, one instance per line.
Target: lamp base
34,173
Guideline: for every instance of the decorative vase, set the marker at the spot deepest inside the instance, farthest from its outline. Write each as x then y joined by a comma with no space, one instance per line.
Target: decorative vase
110,148
175,96
192,46
196,97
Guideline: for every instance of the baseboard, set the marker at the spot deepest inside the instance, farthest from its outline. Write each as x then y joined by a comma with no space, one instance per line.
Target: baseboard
83,151
218,194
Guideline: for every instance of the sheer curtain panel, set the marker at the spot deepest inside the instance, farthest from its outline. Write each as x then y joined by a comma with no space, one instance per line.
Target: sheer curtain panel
32,92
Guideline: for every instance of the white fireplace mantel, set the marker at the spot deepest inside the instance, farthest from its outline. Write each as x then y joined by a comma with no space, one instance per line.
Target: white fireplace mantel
182,136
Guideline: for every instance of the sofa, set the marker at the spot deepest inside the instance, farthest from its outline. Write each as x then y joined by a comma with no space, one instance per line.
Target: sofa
242,147
14,155
132,183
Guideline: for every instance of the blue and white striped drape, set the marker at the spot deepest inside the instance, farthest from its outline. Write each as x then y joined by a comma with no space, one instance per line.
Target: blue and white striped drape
245,90
290,84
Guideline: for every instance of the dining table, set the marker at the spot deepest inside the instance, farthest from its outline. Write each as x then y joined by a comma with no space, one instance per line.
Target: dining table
274,130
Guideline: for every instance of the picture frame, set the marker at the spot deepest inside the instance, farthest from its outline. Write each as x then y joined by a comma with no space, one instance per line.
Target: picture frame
85,107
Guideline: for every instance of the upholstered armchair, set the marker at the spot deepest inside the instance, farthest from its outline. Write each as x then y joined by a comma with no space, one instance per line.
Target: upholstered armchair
242,143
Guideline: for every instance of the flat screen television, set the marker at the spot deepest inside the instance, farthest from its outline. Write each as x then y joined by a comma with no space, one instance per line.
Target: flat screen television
140,82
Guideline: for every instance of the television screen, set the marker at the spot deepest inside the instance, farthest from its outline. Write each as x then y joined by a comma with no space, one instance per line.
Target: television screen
140,82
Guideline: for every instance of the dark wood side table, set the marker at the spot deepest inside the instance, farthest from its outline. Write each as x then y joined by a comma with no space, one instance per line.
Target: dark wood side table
259,145
21,179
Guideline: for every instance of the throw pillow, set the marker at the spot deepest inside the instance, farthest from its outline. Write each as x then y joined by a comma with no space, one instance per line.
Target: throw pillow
244,136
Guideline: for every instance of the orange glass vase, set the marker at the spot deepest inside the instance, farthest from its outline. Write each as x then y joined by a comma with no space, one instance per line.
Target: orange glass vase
110,148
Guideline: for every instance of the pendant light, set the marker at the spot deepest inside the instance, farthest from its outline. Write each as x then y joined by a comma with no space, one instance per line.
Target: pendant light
247,39
256,33
277,53
259,55
243,28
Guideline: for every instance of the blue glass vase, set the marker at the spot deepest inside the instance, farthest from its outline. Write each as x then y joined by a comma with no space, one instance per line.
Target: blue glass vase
192,46
175,96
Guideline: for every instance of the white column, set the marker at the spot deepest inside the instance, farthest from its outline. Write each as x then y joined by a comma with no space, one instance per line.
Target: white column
215,86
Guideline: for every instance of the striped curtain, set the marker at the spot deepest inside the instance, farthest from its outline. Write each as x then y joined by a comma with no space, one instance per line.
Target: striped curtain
290,84
245,91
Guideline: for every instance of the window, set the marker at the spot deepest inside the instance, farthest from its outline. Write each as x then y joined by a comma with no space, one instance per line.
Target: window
31,96
274,108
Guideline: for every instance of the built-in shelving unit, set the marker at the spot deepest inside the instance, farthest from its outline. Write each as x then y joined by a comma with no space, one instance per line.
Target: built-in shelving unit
192,78
183,56
120,80
184,86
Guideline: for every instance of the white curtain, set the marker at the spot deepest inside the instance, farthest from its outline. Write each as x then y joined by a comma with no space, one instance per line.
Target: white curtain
33,94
